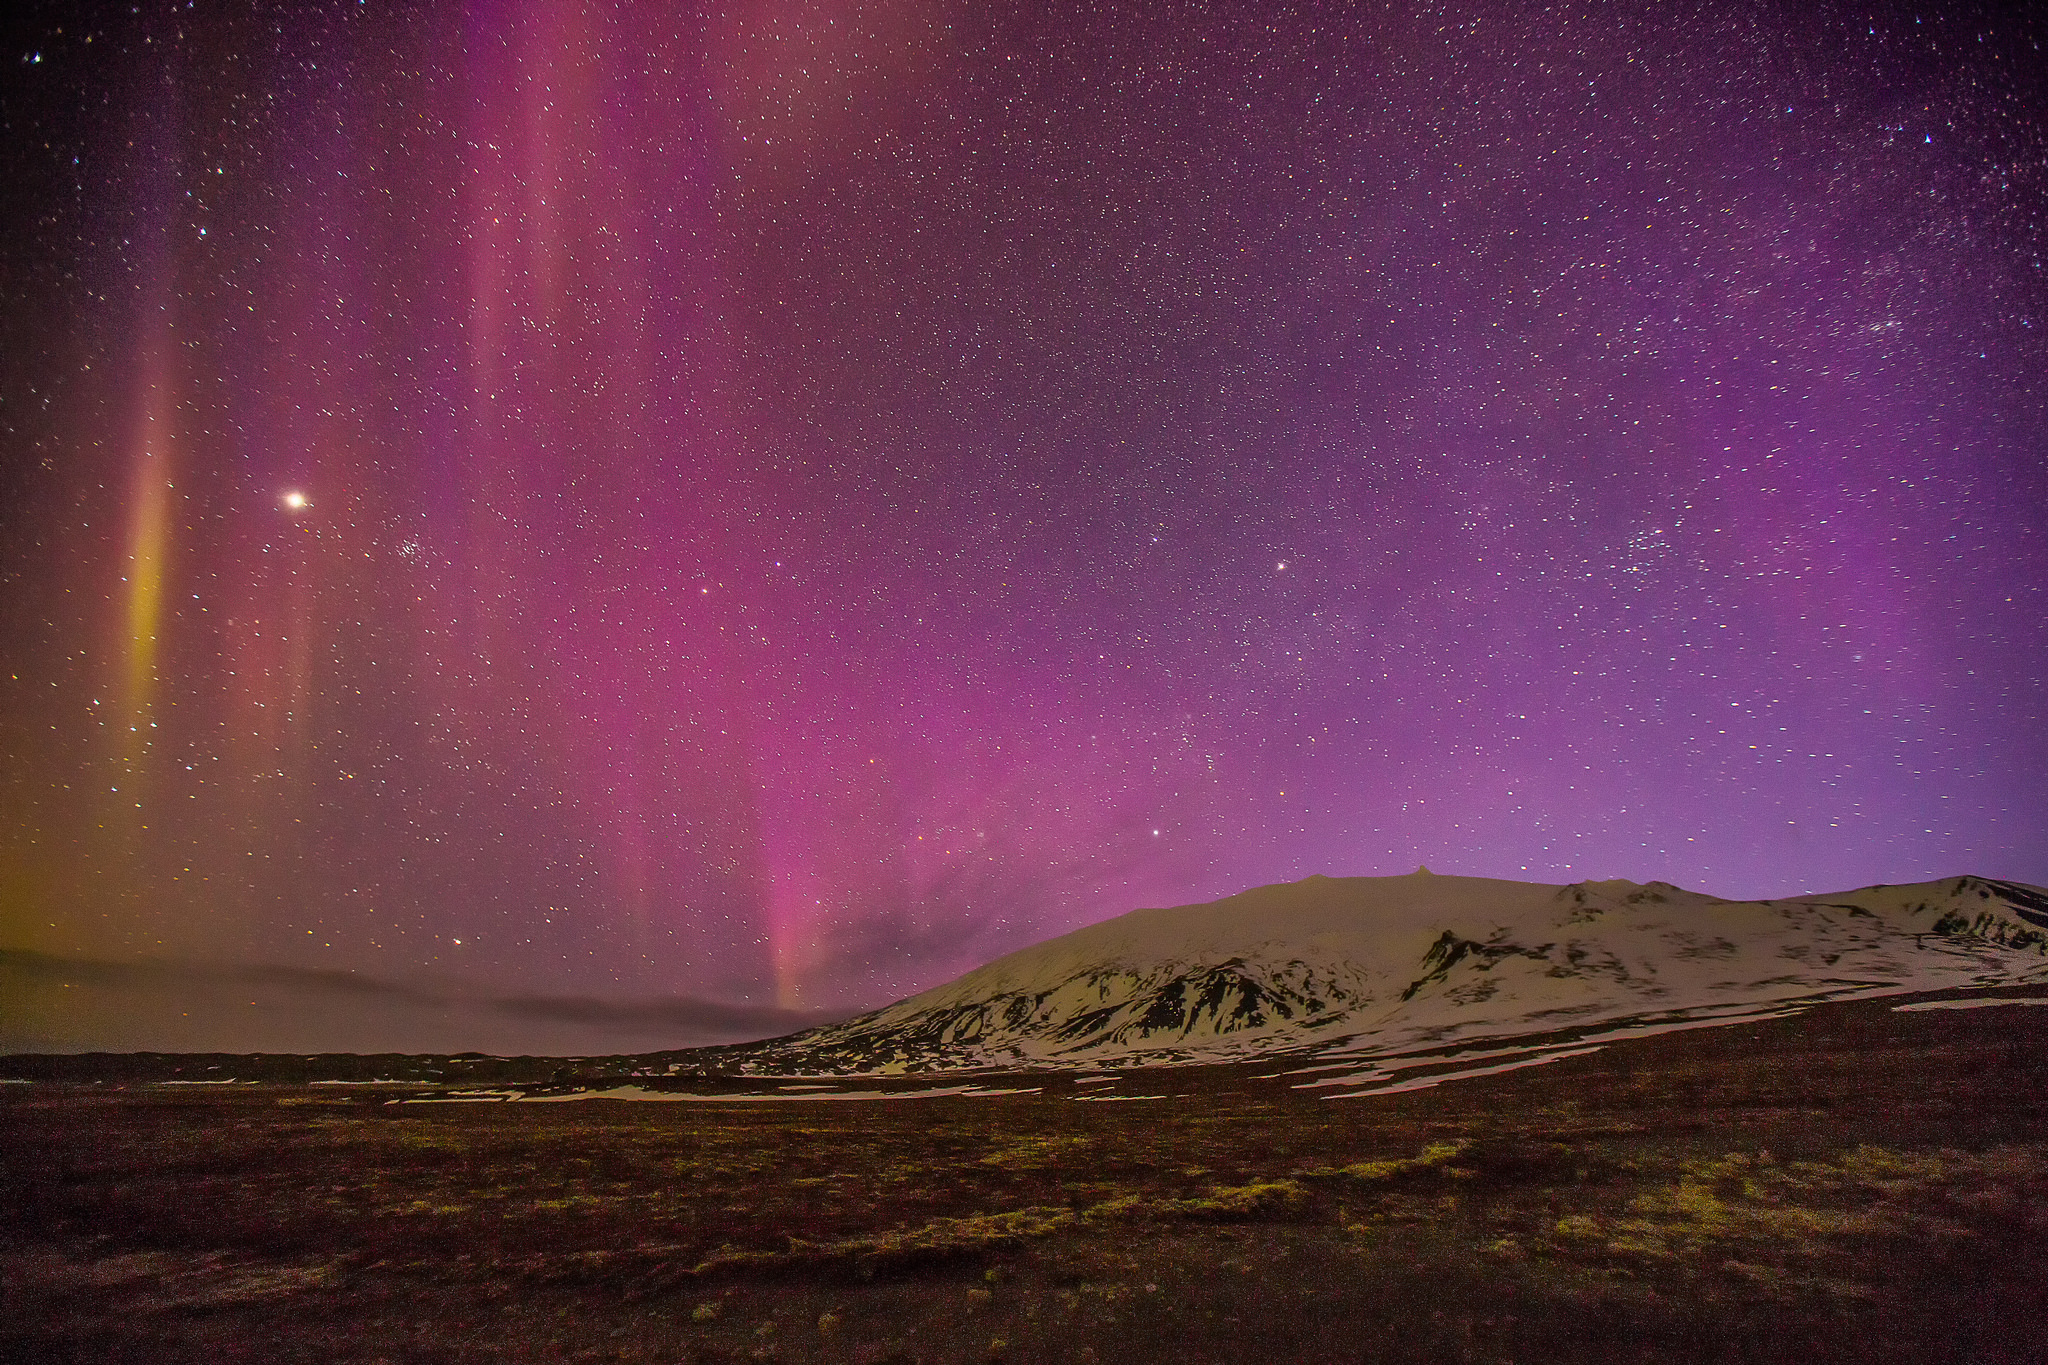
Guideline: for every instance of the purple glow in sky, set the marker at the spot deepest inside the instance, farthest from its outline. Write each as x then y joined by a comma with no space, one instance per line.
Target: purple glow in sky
780,503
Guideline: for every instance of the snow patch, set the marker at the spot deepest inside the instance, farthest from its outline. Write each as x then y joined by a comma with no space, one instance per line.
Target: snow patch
1977,1004
1439,1078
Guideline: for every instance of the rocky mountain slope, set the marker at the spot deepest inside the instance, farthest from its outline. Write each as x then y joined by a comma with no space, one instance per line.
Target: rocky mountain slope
1363,966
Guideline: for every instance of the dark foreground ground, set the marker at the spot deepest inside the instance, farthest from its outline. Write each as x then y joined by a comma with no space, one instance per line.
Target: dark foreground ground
1851,1184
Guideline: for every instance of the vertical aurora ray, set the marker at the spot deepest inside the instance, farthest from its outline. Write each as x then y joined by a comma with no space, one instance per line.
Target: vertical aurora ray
149,544
592,643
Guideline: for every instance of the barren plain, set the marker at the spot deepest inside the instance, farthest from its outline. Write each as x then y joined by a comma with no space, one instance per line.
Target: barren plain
1850,1183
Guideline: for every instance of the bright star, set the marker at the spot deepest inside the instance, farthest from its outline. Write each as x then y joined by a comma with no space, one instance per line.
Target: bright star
295,500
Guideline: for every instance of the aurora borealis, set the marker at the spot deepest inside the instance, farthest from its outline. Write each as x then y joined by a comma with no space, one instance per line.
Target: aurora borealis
774,504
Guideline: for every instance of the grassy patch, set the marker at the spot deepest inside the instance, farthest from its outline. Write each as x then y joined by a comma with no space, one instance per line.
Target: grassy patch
935,1241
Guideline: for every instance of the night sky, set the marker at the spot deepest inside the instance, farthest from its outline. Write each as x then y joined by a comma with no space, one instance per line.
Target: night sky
772,504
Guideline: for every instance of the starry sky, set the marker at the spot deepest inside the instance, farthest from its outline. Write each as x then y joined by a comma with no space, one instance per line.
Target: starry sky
765,505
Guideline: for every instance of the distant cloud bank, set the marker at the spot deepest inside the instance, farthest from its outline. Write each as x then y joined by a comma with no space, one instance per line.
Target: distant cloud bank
70,1004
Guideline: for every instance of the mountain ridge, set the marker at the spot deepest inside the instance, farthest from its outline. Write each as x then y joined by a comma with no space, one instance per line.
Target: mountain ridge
1363,965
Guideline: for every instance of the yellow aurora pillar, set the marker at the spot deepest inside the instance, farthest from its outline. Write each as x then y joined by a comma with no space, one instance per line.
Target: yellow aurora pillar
149,513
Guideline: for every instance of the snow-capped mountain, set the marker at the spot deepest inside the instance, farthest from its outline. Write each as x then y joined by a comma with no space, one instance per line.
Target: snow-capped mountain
1374,965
